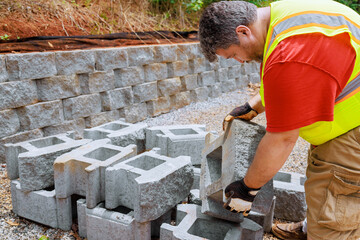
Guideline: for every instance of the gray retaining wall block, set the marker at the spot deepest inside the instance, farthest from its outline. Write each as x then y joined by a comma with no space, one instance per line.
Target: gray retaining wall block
221,74
264,220
215,90
41,206
197,65
207,78
3,73
36,165
120,133
158,106
30,65
101,118
100,223
110,58
129,76
197,173
225,160
139,56
169,86
56,87
82,106
290,196
17,94
71,62
228,86
200,94
145,92
178,140
9,122
189,82
192,224
100,82
135,113
117,98
188,51
77,126
40,115
225,63
151,184
180,99
178,69
165,53
234,71
82,171
155,72
242,82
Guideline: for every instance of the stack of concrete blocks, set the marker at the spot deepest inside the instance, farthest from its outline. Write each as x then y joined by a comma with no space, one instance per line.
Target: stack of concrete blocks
225,160
120,133
290,196
47,93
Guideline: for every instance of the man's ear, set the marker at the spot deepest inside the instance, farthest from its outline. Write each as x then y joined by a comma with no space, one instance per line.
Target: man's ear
242,31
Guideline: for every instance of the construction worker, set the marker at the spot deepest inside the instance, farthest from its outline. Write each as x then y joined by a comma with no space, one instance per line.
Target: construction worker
310,87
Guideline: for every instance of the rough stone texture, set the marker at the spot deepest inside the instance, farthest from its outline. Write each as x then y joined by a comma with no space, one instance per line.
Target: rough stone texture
200,94
197,173
82,171
194,197
192,224
227,86
82,106
140,55
9,123
17,94
155,72
130,76
99,82
18,137
3,73
215,90
207,78
165,53
189,82
77,126
145,92
234,71
188,51
242,81
197,65
264,220
169,86
151,184
178,140
30,65
180,99
36,163
212,65
117,98
100,223
158,106
40,115
101,118
111,58
135,113
225,63
290,196
41,206
58,87
178,69
71,62
221,74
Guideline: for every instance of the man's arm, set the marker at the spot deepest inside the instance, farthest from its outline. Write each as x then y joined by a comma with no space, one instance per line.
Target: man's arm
255,103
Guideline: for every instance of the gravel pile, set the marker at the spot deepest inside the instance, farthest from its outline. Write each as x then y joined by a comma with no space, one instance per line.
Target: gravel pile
209,113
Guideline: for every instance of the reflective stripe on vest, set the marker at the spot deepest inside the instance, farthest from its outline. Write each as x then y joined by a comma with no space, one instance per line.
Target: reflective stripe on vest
293,17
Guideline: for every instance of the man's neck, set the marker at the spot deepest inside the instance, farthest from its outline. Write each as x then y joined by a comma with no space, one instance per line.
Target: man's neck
262,24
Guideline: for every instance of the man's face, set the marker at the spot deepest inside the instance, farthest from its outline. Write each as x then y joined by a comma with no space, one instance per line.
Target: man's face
242,52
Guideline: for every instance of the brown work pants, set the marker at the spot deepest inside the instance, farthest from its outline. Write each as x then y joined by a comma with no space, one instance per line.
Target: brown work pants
333,188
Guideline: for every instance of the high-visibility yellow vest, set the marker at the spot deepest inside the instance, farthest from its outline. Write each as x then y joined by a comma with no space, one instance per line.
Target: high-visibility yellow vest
295,17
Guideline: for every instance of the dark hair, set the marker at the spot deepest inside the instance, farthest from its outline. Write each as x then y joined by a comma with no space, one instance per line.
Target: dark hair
217,28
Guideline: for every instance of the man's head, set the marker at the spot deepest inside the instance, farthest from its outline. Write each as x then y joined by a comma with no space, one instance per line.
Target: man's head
222,23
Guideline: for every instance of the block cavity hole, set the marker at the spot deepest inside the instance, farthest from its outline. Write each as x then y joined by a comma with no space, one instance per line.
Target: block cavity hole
185,131
214,160
41,143
114,126
209,229
145,162
102,153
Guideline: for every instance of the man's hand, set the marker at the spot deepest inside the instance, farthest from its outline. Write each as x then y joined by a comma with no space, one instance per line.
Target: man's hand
239,197
245,112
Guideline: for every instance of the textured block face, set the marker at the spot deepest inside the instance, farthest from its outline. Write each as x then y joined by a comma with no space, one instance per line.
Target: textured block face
136,112
108,59
221,74
165,53
30,65
181,99
82,106
200,94
101,118
178,68
155,72
189,82
3,73
215,90
207,78
197,65
117,98
56,87
17,94
145,92
9,123
130,76
68,63
157,106
139,56
228,86
187,51
77,125
234,72
101,81
152,184
169,86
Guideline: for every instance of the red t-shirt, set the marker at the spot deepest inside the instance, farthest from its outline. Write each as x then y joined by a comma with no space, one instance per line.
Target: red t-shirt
302,78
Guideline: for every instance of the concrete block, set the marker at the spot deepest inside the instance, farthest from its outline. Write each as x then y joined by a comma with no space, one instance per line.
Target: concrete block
254,77
188,51
178,140
200,94
225,160
225,63
192,224
212,65
139,56
206,78
18,137
135,113
82,171
129,76
194,197
3,73
120,133
158,106
169,86
98,82
40,115
71,62
234,72
189,82
197,173
41,207
178,68
101,118
117,98
9,122
165,53
197,65
17,94
250,67
76,125
151,184
101,223
180,99
110,58
264,220
215,90
35,164
145,92
242,81
290,196
155,72
58,87
30,65
82,106
221,74
228,86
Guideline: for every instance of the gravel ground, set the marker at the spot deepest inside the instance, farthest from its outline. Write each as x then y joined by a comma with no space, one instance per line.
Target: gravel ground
210,113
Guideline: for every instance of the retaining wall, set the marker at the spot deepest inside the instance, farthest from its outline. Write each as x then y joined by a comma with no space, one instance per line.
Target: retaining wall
47,93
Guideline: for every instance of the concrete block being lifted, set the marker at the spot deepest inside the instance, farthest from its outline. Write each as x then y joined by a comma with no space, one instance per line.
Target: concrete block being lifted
151,184
120,132
178,140
225,160
290,196
82,171
41,206
192,224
